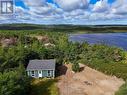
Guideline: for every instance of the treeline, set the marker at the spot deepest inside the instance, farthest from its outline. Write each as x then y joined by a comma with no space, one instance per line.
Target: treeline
67,28
109,60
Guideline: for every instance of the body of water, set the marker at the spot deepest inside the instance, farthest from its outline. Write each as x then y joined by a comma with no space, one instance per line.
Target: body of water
112,39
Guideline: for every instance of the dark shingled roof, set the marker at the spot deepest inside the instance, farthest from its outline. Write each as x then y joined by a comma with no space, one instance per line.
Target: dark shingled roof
41,64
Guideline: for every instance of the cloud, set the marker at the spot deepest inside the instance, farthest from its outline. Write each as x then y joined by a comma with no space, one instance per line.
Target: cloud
68,12
34,3
101,6
42,13
119,7
69,5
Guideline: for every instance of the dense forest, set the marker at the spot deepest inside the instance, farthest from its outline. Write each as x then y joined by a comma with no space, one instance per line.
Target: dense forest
19,46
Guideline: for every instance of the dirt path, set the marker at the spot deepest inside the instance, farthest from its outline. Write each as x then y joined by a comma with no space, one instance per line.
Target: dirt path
87,82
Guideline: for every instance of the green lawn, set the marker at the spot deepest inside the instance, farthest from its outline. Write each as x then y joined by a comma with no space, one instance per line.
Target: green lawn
44,87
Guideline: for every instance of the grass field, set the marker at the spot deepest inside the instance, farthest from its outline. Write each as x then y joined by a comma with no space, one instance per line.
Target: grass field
44,87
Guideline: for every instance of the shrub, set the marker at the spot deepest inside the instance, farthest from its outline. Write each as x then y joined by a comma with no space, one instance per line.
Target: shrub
122,90
75,67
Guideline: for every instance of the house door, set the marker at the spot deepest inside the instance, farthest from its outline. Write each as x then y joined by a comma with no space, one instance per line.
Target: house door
40,74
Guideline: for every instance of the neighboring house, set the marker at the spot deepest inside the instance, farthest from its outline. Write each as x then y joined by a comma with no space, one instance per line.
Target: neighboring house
41,68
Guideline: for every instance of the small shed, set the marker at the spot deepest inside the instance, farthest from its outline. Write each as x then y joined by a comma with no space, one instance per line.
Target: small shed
41,68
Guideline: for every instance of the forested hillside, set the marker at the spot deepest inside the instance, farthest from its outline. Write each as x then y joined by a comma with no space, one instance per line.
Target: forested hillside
67,28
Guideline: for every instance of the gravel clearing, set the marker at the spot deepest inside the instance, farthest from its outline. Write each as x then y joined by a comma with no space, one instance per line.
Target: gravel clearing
87,82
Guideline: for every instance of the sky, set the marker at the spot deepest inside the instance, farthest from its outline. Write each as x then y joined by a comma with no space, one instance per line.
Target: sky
77,12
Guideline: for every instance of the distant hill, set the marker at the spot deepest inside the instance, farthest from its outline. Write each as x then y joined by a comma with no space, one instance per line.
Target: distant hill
66,28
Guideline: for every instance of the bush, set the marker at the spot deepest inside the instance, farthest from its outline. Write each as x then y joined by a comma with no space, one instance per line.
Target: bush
75,67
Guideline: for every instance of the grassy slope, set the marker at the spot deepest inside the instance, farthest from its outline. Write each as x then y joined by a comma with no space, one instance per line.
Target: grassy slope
44,87
122,90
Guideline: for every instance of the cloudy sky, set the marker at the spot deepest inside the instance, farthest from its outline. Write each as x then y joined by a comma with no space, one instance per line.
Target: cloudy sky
68,12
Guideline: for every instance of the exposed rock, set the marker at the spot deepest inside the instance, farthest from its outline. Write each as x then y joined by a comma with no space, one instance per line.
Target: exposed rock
48,45
43,39
6,42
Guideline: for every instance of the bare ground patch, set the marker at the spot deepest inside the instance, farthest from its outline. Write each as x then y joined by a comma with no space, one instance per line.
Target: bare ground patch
87,82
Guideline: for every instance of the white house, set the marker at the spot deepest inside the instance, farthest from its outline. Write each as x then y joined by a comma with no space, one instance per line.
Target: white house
41,68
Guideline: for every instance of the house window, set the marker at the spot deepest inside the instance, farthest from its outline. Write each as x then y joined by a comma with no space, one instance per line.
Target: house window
28,72
49,73
39,72
32,73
